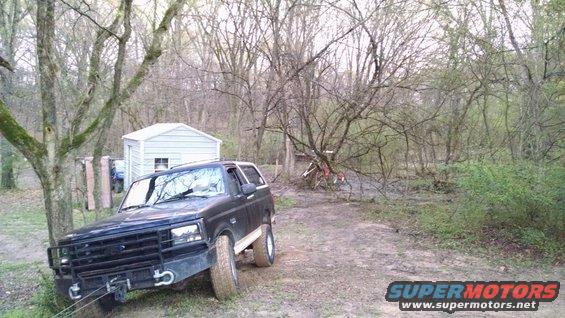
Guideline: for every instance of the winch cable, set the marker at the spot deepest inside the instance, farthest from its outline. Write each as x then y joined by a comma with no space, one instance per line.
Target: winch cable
83,298
87,304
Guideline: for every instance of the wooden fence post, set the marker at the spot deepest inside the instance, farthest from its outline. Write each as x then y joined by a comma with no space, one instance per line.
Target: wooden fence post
91,203
105,186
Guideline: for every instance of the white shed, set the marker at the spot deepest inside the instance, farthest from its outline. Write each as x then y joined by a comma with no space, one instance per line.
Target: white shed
162,146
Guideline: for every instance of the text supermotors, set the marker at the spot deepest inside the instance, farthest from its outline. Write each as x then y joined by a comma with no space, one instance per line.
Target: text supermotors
451,296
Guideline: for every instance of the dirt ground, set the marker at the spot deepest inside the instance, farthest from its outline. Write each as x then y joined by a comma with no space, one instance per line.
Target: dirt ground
331,261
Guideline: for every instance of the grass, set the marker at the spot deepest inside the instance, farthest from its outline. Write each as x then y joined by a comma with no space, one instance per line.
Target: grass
443,218
23,222
20,220
23,219
16,268
284,202
19,223
197,299
45,301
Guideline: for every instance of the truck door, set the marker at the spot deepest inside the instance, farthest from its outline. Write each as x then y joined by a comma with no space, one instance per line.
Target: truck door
239,220
257,201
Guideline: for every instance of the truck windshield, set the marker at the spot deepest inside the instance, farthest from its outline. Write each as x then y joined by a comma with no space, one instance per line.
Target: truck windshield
202,182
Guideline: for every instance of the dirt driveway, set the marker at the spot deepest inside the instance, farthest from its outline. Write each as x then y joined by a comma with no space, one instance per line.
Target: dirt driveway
333,262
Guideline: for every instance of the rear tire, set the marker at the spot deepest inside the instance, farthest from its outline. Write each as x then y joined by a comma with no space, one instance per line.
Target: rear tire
224,273
264,247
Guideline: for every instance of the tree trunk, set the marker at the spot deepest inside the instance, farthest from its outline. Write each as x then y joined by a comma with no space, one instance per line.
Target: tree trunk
261,133
6,152
58,202
8,36
289,160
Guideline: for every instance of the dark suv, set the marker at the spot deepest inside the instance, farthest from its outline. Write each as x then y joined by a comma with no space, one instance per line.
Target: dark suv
170,226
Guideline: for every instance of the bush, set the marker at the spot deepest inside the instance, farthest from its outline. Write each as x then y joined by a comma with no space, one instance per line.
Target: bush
538,240
522,198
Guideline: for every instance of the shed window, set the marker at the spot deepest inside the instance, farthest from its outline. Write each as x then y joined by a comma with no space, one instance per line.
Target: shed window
161,164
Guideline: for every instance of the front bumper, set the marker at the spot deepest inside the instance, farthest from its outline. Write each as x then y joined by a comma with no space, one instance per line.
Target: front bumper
172,271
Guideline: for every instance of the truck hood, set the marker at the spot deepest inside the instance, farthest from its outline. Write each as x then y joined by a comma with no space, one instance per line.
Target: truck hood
160,215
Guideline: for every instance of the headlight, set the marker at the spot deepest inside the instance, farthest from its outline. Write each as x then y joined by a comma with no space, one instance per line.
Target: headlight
185,234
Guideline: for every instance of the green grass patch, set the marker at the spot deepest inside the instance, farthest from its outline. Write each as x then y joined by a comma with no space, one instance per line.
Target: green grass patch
15,268
20,223
284,202
31,222
82,218
197,299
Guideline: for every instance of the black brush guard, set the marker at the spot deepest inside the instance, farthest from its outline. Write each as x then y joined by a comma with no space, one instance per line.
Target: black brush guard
132,256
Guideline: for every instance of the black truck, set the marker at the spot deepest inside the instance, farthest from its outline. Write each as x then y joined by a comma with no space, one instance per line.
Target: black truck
171,225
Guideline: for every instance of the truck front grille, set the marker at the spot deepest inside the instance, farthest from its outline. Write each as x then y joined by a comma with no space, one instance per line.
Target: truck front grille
115,254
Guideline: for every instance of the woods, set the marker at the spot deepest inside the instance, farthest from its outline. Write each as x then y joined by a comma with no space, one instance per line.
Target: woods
382,90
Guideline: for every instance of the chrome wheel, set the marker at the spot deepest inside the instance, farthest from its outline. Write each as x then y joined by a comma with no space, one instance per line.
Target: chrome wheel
270,245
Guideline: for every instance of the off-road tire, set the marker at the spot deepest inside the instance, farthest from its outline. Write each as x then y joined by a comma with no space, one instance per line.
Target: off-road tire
224,273
264,254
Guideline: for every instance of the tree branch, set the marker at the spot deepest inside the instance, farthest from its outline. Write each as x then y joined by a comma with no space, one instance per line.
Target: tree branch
102,36
155,49
30,147
77,10
5,64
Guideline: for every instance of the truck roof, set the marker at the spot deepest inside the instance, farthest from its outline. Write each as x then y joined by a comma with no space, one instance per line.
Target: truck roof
204,163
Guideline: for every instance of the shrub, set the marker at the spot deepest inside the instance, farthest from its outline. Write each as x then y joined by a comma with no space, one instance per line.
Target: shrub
522,198
537,239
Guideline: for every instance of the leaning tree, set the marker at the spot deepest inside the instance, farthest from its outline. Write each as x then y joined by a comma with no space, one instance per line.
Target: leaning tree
49,154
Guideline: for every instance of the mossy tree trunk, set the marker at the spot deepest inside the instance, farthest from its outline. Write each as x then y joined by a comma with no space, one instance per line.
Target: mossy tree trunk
58,202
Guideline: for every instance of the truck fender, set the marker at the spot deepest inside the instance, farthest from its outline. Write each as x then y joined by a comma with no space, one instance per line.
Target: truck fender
221,229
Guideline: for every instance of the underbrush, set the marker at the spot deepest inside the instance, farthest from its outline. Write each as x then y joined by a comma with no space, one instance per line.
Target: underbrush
523,203
515,208
284,202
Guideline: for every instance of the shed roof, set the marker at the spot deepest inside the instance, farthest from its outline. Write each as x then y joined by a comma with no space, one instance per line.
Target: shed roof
161,128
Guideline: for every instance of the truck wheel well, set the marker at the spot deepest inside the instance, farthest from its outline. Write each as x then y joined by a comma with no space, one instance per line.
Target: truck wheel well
225,232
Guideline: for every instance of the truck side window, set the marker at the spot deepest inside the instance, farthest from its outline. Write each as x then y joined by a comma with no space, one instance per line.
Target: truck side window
253,175
233,182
